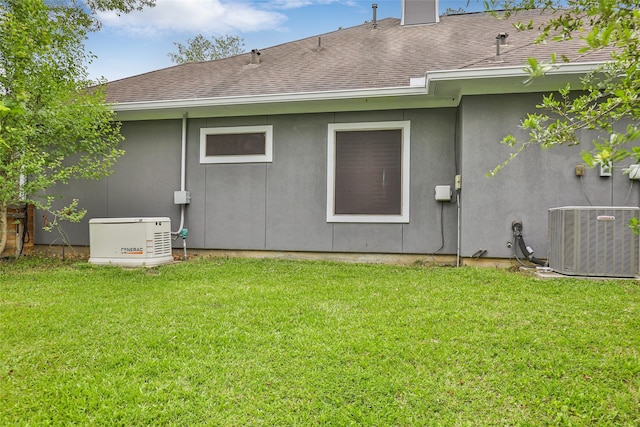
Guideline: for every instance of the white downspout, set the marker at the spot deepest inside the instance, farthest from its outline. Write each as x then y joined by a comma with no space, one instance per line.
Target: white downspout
22,182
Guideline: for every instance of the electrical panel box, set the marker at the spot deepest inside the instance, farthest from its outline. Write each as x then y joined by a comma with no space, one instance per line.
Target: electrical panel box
130,242
593,241
633,171
181,197
443,193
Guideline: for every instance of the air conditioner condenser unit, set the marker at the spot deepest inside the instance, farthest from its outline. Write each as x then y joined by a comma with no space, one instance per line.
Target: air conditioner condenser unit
593,241
130,242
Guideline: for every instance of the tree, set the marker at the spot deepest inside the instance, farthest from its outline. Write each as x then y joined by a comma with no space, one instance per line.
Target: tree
52,128
124,6
200,48
452,11
608,100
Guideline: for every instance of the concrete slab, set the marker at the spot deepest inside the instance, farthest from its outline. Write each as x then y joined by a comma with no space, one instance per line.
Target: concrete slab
547,273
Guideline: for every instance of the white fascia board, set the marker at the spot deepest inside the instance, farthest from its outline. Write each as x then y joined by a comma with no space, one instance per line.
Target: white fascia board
503,72
512,71
269,99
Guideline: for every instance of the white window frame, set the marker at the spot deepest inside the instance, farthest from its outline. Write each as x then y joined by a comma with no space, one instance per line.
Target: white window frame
405,127
267,157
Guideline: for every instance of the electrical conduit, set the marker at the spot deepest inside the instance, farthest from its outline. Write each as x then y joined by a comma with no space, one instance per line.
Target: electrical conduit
183,175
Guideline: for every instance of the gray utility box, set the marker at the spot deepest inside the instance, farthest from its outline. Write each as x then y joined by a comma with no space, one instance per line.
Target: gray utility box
130,242
593,241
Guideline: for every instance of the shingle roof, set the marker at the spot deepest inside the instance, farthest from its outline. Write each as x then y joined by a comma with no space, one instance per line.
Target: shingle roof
354,58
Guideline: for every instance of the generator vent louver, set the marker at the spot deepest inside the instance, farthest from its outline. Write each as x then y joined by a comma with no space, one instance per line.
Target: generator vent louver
130,242
593,241
162,243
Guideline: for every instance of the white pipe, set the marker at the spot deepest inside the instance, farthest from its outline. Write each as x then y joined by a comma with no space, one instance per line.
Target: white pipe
22,182
183,166
458,244
183,171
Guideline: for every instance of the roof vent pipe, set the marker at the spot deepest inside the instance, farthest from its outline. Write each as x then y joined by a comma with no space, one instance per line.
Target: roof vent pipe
501,39
374,6
255,56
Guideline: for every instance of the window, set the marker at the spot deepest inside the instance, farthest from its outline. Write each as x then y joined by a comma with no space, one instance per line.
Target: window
368,172
245,144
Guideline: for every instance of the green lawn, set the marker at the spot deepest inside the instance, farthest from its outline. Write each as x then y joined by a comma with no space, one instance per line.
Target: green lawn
236,342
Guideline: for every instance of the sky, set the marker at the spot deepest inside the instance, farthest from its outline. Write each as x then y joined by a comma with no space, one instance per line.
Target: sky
139,42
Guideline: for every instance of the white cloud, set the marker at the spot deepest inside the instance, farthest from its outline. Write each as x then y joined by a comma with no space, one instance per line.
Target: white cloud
195,16
294,4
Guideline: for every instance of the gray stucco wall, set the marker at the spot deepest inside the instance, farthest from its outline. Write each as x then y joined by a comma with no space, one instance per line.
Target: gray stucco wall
282,205
531,184
142,182
271,206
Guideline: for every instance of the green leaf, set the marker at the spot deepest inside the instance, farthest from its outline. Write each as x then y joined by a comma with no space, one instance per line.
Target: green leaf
53,126
609,98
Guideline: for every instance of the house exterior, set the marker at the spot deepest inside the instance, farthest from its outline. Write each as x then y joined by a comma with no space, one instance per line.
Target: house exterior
374,139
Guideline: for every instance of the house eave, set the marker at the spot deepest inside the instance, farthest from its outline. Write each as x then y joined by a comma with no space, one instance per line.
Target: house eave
286,103
499,80
437,89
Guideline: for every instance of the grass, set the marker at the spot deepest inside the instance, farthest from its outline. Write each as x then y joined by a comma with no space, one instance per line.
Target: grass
236,342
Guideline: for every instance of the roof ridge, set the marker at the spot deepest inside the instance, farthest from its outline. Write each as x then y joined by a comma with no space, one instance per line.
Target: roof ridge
190,63
351,58
338,30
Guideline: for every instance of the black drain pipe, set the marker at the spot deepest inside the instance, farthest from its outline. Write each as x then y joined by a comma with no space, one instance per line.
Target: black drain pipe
516,226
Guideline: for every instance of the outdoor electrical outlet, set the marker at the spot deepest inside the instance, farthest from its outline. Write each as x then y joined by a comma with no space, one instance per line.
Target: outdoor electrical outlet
580,170
443,193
